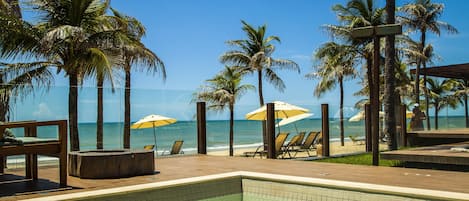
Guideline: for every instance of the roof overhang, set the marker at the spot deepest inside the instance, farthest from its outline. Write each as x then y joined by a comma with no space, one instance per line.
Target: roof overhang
456,71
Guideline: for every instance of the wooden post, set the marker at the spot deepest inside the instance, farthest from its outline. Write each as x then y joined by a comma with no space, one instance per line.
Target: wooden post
201,128
325,130
31,159
375,101
403,125
368,127
270,131
63,152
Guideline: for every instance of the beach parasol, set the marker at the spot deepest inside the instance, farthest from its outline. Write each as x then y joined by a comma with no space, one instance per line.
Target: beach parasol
292,119
361,115
153,121
282,110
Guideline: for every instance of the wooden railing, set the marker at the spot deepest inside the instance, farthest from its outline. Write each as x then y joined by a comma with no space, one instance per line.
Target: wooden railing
55,148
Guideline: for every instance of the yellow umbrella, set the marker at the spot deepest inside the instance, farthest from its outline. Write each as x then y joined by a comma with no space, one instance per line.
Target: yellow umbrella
153,121
282,110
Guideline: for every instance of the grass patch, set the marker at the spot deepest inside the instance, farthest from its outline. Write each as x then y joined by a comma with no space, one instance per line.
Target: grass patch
361,159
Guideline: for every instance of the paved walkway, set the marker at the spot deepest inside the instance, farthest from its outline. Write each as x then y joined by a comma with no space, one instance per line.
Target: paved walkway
199,165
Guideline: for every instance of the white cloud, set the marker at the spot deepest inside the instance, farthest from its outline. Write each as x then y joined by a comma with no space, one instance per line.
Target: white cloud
43,112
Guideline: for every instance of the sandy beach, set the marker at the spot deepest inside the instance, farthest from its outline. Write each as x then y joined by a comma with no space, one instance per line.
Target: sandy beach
335,149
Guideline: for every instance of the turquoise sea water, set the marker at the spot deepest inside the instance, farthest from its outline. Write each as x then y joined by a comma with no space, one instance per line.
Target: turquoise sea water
246,133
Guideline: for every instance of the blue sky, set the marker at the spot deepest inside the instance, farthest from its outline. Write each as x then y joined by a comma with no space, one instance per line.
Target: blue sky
189,36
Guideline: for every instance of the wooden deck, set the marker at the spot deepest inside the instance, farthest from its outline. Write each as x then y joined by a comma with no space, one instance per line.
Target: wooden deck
199,165
449,133
437,137
441,154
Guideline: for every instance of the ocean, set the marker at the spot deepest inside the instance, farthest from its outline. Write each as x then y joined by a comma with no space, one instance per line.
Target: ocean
247,133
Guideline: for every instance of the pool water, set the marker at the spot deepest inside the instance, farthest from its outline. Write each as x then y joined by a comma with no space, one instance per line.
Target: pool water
251,186
258,190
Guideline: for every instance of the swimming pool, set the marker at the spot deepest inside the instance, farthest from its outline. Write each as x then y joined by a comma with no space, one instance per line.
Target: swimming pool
251,186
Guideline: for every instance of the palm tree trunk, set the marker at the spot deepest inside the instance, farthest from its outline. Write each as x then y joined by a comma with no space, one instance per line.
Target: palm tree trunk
341,85
127,106
466,108
4,105
100,119
436,115
259,83
389,90
261,103
231,128
73,112
424,64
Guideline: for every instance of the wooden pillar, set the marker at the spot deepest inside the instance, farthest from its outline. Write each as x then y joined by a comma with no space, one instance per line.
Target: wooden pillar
31,159
375,101
403,125
201,128
367,128
270,130
63,152
325,130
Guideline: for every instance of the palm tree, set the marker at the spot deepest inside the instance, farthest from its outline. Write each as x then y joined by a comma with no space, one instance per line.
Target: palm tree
389,74
440,96
135,52
422,16
222,91
462,89
355,14
254,55
11,7
71,35
337,64
20,79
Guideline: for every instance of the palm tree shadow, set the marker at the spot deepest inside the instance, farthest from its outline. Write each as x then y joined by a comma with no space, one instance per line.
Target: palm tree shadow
14,185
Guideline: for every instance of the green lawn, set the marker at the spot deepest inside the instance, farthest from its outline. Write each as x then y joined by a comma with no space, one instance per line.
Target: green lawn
361,159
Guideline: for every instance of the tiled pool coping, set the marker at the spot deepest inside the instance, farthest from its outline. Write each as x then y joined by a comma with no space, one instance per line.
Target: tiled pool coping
393,190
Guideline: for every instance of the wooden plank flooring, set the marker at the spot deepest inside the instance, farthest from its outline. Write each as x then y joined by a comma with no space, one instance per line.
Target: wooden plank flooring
199,165
441,154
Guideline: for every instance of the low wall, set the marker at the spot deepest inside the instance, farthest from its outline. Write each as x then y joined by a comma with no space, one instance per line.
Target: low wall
100,164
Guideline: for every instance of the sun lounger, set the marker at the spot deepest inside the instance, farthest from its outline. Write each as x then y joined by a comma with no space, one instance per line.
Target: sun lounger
149,147
309,144
175,149
289,147
357,140
279,141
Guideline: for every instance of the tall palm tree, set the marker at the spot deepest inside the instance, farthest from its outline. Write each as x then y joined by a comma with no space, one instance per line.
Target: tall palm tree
254,55
389,77
20,79
462,89
441,95
71,35
135,52
222,91
337,64
423,16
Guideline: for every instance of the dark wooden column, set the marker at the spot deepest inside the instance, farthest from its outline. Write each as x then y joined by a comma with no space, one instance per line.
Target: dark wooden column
403,125
270,131
325,130
368,127
375,101
201,128
63,125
